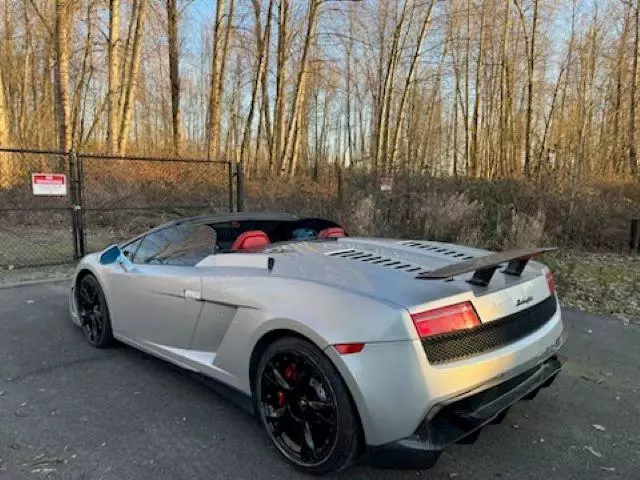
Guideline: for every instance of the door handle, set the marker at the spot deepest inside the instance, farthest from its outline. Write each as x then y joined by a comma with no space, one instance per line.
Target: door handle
192,294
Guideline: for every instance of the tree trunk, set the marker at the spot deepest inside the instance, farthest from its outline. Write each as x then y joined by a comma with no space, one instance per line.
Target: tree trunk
275,156
348,53
414,60
223,64
80,87
502,134
291,143
114,54
132,81
4,112
174,71
63,21
6,163
530,41
385,104
616,157
261,47
467,101
474,154
633,161
213,148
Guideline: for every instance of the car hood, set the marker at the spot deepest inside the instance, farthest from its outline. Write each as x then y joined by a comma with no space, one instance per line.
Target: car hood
385,268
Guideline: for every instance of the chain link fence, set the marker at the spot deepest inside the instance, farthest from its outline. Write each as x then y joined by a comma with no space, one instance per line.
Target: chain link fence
122,197
34,230
108,199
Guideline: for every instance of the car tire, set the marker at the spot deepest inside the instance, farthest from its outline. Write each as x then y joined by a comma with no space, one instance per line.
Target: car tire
93,312
304,404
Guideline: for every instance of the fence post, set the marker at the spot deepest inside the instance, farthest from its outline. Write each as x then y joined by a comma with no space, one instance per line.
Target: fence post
230,165
239,188
634,239
72,194
79,208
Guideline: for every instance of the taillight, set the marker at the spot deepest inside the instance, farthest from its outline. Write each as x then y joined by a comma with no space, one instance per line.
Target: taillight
348,348
445,319
550,282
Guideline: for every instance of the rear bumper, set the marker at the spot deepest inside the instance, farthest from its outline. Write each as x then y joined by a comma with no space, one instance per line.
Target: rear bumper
462,420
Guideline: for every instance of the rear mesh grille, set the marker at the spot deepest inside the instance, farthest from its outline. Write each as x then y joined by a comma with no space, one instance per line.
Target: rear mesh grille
489,336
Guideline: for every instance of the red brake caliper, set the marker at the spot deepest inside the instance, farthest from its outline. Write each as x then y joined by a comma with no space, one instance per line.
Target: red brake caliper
290,373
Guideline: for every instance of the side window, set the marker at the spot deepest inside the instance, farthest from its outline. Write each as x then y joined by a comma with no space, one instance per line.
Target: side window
181,245
129,250
153,247
190,244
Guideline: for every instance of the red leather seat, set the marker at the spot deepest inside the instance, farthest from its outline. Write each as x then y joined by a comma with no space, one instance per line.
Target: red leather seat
333,232
250,240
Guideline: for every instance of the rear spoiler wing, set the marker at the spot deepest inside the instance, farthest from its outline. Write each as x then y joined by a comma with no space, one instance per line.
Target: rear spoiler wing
483,268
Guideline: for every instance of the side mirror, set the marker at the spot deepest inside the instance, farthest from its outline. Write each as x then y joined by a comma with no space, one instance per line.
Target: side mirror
110,255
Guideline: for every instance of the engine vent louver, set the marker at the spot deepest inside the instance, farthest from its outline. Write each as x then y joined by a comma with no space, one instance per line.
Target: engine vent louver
379,260
434,248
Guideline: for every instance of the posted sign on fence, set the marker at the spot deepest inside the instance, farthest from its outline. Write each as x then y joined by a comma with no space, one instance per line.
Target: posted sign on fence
52,184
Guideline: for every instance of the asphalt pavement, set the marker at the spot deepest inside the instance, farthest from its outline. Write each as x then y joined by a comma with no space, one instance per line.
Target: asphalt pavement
70,411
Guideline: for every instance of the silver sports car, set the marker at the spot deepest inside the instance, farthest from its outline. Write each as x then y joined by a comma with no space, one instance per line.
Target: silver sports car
342,346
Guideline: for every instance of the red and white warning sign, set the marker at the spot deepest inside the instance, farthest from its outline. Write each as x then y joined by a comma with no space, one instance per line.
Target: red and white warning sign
54,184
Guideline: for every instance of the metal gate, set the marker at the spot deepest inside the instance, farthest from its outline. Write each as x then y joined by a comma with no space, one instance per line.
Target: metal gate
35,230
108,199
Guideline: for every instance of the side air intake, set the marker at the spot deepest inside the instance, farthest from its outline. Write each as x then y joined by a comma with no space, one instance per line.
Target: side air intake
379,260
436,248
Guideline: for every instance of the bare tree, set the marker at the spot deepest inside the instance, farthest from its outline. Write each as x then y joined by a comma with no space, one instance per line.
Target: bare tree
382,121
262,52
114,86
633,160
132,80
530,39
174,71
276,154
64,14
293,138
410,77
4,111
213,128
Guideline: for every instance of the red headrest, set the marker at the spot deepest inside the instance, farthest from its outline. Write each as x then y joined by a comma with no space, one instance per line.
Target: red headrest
333,232
249,240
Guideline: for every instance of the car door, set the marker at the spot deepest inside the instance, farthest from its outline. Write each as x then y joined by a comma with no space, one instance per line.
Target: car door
155,291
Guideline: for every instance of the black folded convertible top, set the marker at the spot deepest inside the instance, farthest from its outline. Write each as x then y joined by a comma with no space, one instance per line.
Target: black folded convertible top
485,267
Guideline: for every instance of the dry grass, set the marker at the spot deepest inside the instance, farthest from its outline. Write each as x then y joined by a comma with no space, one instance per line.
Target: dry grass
603,283
491,214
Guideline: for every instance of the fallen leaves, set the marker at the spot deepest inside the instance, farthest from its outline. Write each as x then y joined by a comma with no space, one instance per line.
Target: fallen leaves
593,452
592,378
603,283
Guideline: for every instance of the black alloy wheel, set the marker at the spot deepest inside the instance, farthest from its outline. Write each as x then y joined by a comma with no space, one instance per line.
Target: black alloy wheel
93,312
305,407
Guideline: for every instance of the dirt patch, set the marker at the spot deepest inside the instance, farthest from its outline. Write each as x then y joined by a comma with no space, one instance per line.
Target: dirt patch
10,276
605,283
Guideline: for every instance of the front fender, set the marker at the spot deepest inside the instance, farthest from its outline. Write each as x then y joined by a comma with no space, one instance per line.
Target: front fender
88,263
